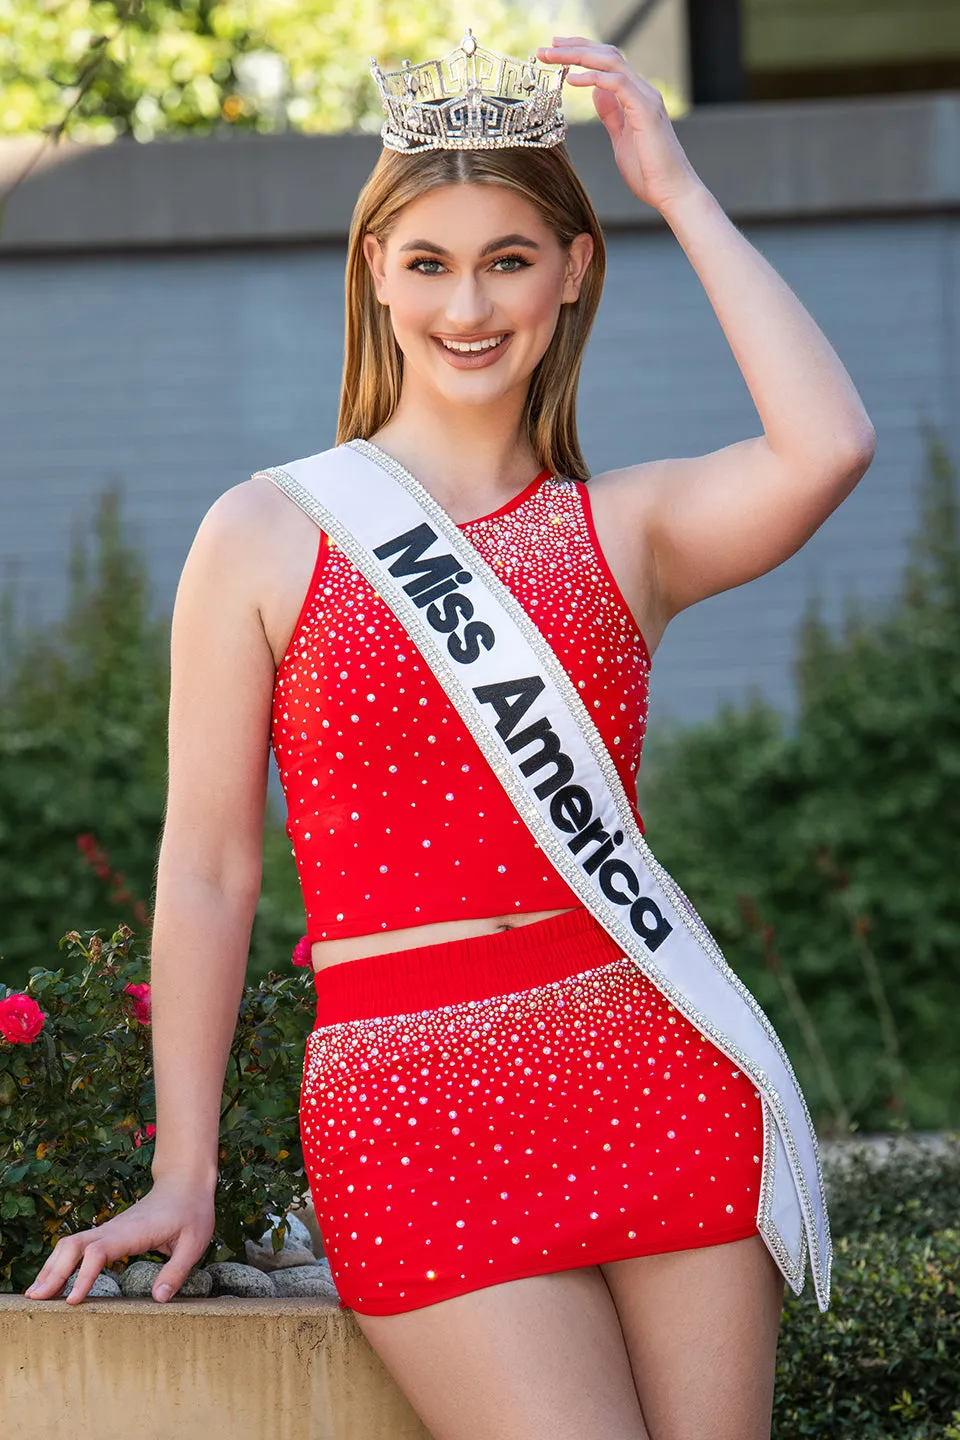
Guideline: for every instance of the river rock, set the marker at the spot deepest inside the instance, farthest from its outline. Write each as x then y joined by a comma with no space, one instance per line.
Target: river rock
197,1285
306,1212
314,1279
231,1278
104,1286
297,1247
138,1280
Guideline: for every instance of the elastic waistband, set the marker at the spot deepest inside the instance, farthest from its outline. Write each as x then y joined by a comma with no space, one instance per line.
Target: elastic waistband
452,971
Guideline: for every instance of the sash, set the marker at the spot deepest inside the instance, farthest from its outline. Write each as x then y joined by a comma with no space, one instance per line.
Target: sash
533,728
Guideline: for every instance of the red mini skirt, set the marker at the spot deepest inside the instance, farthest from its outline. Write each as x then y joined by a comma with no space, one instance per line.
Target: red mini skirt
477,1111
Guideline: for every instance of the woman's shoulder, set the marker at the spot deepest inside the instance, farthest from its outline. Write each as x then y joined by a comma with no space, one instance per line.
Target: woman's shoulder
245,520
240,510
264,547
244,541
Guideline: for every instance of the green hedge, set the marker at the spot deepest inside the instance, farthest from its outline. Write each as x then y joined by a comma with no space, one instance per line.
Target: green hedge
884,1362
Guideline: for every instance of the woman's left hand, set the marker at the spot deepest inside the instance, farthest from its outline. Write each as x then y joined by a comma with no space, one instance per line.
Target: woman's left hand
648,154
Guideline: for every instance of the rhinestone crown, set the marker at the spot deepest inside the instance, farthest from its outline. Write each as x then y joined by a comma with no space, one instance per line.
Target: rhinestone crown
471,99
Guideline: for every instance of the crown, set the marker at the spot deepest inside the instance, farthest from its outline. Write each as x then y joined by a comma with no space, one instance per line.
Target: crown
471,99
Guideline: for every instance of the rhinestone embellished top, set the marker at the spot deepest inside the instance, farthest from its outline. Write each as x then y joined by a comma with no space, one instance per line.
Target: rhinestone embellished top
395,816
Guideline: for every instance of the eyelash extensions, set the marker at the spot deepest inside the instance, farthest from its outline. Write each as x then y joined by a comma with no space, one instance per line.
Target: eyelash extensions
522,262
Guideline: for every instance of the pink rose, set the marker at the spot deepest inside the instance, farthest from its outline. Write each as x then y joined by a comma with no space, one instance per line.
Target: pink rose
21,1019
140,995
140,1135
302,951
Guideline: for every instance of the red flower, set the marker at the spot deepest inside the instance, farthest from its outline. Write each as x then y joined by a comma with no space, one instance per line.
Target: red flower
302,951
21,1019
140,1135
140,995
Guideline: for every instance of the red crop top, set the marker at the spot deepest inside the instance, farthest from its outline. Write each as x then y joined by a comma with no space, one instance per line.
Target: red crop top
395,816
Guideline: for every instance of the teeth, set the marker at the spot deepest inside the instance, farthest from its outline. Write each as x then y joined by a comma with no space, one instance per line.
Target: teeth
465,347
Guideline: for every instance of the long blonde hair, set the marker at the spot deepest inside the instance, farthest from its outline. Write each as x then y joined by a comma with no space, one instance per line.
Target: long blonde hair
373,361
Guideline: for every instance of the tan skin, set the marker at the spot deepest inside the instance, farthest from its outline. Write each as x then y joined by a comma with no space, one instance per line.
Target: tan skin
670,1347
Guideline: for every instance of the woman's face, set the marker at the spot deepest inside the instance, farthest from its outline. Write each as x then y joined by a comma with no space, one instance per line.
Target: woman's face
474,266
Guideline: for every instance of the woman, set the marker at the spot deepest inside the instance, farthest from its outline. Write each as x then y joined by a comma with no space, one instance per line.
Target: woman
539,1183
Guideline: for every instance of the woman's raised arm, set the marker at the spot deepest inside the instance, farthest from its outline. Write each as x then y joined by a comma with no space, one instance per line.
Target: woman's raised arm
714,521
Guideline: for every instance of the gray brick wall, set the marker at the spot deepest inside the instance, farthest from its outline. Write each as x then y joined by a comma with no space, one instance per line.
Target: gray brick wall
179,373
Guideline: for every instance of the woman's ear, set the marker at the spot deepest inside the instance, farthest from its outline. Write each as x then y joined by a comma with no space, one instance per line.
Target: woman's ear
373,254
578,258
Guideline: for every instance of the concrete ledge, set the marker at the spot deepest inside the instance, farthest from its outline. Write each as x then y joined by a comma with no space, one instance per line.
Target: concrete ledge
773,161
223,1369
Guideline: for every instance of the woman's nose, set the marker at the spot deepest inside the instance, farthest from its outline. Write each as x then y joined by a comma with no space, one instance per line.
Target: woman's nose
467,305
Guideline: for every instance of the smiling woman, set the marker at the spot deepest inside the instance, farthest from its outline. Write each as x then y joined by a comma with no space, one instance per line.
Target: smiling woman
460,247
558,1155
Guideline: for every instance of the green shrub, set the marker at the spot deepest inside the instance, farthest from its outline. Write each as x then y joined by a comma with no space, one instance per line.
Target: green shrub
83,766
822,851
906,1186
82,752
77,1105
884,1362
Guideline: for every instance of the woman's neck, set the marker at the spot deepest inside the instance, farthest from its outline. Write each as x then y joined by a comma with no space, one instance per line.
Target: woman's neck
470,459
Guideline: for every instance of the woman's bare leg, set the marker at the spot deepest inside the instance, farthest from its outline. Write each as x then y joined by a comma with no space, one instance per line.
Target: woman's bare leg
701,1331
535,1359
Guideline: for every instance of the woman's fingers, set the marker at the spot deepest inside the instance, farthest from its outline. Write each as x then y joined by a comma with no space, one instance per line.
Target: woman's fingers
90,1250
623,86
94,1258
61,1262
578,51
186,1253
175,1218
610,111
645,145
594,57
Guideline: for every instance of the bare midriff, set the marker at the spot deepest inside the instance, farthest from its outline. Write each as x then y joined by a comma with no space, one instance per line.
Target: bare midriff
358,947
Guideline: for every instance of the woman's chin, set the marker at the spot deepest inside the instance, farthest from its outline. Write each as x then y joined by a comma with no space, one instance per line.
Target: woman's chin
478,387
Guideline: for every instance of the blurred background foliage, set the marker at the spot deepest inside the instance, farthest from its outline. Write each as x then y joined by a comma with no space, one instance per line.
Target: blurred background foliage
821,848
147,68
83,765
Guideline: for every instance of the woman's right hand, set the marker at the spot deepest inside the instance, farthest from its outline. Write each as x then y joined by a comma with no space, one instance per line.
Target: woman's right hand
176,1216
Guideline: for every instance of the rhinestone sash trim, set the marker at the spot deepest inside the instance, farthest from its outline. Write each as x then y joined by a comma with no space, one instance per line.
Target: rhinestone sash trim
806,1190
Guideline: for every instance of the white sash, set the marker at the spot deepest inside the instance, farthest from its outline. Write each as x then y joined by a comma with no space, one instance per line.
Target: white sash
527,717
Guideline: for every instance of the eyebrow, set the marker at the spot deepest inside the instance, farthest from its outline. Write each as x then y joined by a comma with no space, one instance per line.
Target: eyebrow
500,244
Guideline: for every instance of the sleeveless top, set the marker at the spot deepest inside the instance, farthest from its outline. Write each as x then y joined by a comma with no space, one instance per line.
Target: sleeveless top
395,816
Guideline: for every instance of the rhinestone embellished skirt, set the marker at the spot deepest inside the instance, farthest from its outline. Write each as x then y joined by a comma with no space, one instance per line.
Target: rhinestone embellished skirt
480,1110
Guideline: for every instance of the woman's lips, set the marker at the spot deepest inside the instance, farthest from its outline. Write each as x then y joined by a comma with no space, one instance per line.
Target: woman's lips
474,359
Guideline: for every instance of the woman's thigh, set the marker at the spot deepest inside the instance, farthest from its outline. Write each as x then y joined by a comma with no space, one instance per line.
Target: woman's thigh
535,1359
701,1331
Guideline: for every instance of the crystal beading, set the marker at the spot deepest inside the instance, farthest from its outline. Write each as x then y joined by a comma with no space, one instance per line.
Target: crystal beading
471,99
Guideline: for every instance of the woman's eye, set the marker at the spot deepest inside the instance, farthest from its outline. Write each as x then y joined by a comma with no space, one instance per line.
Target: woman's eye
513,262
